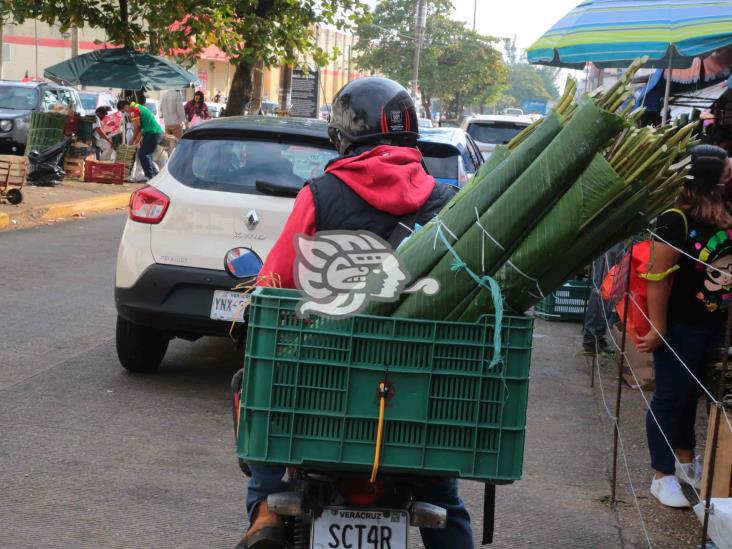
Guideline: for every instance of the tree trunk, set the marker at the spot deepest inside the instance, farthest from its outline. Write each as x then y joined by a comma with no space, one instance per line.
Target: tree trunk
240,92
285,85
255,102
124,19
427,105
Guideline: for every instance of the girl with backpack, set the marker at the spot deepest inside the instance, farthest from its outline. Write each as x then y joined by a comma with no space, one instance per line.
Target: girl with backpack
687,312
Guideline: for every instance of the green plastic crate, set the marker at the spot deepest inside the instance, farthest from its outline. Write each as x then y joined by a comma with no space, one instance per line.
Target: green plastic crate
566,303
310,392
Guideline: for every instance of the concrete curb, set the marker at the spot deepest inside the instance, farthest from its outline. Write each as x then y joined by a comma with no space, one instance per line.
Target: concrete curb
92,205
66,210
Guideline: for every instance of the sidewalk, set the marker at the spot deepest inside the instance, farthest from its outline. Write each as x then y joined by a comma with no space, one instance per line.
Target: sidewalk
666,528
561,500
71,199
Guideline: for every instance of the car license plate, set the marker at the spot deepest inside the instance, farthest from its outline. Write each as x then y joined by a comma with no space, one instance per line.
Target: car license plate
228,306
362,528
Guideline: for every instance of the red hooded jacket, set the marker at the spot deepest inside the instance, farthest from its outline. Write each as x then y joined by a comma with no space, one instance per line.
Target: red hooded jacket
389,178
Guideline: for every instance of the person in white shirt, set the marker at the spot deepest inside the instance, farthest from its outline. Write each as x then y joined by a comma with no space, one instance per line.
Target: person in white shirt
174,116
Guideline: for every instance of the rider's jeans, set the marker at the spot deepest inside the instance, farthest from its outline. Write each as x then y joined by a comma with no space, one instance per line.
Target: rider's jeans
268,480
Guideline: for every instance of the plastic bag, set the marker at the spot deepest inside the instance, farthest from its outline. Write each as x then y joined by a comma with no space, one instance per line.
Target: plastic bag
45,166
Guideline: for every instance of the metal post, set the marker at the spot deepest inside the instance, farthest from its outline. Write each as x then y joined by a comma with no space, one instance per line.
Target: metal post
621,356
2,60
350,53
74,41
475,12
667,93
715,435
418,33
35,31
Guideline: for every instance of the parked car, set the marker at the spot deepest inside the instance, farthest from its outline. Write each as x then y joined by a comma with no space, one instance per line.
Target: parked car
450,154
512,111
425,123
216,109
209,218
325,111
91,101
494,129
18,100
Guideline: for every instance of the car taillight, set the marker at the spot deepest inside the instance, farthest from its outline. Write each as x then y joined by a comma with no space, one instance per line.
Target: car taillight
148,205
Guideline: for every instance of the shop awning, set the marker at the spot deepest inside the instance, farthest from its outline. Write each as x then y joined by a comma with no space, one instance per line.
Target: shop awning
702,99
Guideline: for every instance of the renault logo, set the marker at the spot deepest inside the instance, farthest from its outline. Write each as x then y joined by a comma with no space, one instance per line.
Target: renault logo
252,219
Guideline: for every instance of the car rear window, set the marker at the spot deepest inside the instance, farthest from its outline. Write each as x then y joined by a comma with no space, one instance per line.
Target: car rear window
235,165
18,98
441,159
442,168
494,132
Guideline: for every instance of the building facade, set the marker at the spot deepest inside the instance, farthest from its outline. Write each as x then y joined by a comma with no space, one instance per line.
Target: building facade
32,46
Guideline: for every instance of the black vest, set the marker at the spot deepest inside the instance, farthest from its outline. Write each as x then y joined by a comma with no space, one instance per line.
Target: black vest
338,207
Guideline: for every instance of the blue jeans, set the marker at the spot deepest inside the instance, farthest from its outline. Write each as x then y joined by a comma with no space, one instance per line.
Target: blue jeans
267,480
149,143
676,395
596,320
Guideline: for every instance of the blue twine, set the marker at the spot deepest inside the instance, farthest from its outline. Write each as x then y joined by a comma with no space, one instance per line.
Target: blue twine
486,282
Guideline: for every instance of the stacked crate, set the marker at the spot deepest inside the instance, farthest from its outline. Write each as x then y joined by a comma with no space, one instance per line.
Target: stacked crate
126,155
46,130
77,154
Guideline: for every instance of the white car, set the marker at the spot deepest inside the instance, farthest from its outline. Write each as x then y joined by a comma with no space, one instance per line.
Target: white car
205,224
153,105
215,109
494,129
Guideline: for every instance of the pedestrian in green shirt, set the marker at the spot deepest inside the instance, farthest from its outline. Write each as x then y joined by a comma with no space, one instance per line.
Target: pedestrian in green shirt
147,134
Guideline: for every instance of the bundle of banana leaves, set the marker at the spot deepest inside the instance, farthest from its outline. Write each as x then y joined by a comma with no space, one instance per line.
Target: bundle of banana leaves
555,197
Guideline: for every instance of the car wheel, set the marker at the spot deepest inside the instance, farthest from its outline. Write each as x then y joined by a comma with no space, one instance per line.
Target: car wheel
140,349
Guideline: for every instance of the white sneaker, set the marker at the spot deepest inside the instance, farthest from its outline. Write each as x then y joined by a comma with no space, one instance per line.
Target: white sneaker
690,473
667,490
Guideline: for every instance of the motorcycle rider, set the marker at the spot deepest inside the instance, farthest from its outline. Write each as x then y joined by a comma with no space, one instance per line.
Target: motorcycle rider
378,184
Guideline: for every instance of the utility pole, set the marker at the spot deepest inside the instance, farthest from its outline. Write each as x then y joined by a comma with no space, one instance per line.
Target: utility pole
74,41
421,21
2,47
35,32
475,12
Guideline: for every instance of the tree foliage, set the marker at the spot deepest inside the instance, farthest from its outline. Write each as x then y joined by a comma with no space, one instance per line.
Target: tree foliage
526,81
457,64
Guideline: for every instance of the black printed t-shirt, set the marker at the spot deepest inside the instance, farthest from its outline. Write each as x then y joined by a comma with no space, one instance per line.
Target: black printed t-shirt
699,294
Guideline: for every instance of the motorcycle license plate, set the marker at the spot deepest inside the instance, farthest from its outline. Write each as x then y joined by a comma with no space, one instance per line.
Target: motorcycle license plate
360,529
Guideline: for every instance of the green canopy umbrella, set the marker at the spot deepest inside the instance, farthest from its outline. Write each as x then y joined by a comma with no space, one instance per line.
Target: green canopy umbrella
611,33
122,68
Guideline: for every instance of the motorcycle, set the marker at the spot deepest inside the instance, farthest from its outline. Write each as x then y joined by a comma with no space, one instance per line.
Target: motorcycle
346,510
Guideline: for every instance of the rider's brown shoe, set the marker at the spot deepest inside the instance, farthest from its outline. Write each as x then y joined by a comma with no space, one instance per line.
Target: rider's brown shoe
266,531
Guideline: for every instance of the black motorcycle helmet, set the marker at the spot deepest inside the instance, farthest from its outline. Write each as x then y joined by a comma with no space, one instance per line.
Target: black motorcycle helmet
373,111
707,164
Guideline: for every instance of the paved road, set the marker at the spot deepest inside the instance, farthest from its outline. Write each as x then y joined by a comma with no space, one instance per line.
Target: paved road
91,456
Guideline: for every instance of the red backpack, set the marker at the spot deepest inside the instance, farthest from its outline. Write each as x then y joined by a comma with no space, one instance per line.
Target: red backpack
613,286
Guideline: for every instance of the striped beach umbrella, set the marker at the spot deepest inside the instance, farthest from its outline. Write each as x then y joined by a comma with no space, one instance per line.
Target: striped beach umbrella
611,33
